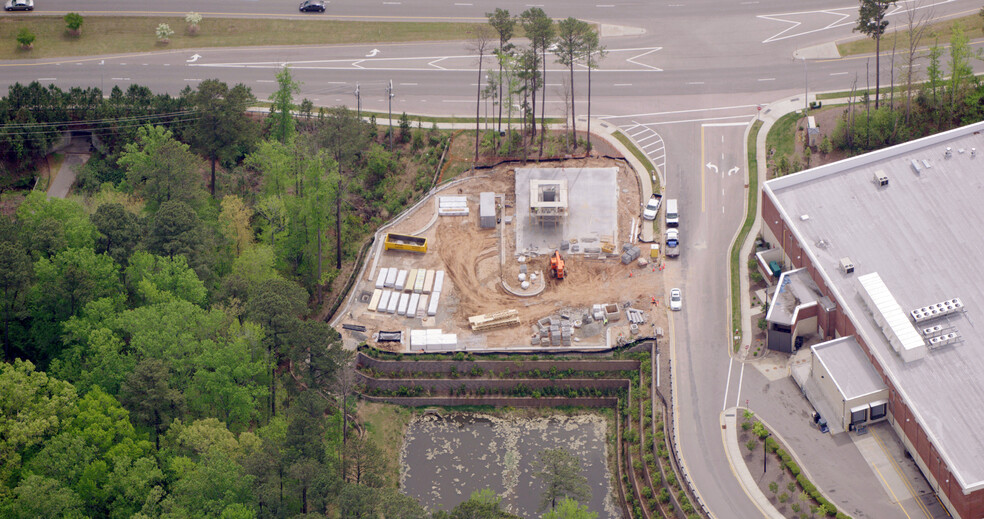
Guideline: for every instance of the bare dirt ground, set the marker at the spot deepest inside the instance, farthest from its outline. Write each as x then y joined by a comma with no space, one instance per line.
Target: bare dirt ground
477,260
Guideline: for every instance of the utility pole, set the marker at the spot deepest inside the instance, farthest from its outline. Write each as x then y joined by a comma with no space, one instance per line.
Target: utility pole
806,81
358,101
389,94
765,451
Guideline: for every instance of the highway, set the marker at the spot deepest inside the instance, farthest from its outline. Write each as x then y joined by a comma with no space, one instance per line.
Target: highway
685,81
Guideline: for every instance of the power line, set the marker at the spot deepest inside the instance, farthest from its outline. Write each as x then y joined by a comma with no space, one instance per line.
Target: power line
97,121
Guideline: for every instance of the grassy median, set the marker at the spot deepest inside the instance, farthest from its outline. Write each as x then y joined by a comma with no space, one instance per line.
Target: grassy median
746,226
128,34
936,34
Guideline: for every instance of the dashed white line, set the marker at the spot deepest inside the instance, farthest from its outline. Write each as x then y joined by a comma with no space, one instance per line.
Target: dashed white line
265,81
605,5
464,5
838,73
748,3
408,84
623,84
767,79
121,79
47,78
193,79
392,3
695,83
534,5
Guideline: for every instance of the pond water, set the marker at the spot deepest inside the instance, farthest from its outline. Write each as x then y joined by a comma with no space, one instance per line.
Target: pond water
445,459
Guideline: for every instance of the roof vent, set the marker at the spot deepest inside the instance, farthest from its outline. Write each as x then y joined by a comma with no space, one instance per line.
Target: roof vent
915,166
881,179
927,164
949,152
847,265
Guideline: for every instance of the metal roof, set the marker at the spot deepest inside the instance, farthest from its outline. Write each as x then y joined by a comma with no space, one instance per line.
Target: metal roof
922,233
851,371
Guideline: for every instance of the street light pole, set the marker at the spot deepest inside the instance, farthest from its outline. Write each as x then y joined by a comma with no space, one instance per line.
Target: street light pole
389,94
358,101
806,81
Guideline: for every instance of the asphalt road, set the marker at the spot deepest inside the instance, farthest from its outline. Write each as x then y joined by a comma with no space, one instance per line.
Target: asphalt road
684,86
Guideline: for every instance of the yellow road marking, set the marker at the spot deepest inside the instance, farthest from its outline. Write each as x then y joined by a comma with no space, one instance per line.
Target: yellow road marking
898,470
890,491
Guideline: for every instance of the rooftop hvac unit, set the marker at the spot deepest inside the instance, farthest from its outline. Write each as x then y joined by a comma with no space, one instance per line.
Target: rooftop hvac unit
881,178
847,265
926,164
915,166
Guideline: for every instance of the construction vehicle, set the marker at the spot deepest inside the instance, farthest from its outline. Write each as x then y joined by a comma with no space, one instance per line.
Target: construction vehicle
557,266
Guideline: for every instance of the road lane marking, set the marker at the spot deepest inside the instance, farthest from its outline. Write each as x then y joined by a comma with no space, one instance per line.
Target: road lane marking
681,111
726,124
121,79
902,476
605,5
728,383
265,81
186,79
742,375
838,73
47,78
622,84
696,83
767,79
464,5
748,118
392,3
407,84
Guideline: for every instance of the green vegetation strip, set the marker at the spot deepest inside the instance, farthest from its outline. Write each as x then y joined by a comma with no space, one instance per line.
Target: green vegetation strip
745,228
973,27
782,136
129,34
624,139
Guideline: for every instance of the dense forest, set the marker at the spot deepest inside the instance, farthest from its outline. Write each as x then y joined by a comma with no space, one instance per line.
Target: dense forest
161,358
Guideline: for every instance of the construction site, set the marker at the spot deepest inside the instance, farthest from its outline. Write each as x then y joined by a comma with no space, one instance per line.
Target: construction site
513,259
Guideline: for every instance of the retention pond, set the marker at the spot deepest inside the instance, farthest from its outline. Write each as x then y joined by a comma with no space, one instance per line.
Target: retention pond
445,459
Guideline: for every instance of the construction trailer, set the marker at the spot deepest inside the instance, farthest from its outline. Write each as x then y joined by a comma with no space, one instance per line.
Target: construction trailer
405,242
486,210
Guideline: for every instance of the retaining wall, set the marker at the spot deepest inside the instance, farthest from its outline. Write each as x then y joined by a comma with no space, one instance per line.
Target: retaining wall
474,384
497,401
497,366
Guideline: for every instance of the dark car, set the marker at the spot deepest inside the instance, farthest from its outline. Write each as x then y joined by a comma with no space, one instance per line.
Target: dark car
312,6
19,5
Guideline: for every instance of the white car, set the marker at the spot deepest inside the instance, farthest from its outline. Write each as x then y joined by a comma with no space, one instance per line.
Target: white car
19,5
676,300
652,208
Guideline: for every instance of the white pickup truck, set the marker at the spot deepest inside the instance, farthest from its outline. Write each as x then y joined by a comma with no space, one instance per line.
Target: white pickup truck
652,208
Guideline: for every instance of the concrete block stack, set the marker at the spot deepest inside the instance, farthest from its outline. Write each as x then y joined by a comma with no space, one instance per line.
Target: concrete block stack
631,254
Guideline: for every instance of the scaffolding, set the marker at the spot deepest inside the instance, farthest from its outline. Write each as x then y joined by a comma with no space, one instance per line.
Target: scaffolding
548,201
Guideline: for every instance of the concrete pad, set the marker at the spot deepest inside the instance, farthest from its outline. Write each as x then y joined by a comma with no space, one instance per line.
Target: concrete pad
592,195
898,475
823,51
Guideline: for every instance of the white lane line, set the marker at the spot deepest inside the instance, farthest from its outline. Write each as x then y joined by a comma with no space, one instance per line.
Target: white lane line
605,5
464,5
767,79
392,3
748,119
696,83
534,5
47,78
121,79
675,5
727,385
748,3
622,84
742,375
838,73
725,124
186,79
407,84
679,111
644,139
265,81
743,367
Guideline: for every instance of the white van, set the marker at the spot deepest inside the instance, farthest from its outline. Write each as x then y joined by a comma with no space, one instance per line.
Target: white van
672,216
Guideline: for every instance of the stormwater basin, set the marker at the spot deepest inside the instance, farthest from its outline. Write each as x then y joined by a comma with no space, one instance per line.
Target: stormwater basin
445,459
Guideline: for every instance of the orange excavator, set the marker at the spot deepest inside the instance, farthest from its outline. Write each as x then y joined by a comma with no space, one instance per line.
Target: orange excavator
557,266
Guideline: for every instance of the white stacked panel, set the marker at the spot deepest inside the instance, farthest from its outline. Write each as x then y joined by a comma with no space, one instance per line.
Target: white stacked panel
381,278
411,280
393,303
438,281
412,306
401,280
432,307
384,300
418,339
390,278
429,282
401,307
418,285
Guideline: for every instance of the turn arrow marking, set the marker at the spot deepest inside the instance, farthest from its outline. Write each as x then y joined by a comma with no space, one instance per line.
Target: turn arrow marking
712,166
194,58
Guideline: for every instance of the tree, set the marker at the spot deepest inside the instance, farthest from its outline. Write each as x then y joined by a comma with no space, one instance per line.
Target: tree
961,72
481,43
283,126
176,231
482,504
161,168
152,402
221,129
540,30
592,53
364,462
119,231
37,496
570,509
225,381
559,473
73,22
234,223
275,305
154,279
571,34
915,29
194,20
164,33
345,386
751,445
872,22
504,25
15,275
49,226
25,38
347,138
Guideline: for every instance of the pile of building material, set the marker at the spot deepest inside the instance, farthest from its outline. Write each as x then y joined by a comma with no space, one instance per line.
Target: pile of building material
605,311
553,331
485,322
486,210
635,316
630,253
404,292
433,339
452,205
382,336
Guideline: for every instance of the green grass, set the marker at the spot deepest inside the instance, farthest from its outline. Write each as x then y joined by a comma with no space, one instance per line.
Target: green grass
131,34
624,139
386,425
782,136
743,233
973,26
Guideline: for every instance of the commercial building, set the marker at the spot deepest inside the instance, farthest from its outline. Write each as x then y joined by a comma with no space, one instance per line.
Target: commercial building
892,243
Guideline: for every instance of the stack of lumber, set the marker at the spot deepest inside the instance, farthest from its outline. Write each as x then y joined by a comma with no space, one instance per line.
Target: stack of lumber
485,322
